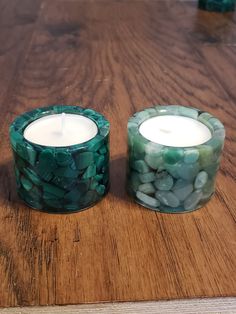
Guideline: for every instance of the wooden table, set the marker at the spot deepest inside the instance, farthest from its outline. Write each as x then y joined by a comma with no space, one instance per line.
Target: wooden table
116,57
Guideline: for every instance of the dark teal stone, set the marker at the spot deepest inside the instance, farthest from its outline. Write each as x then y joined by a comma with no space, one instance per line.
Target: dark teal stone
27,185
64,158
54,190
66,172
89,172
83,160
100,161
46,164
140,166
100,189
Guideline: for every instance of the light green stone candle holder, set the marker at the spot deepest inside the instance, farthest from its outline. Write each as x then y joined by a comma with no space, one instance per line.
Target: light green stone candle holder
173,179
61,179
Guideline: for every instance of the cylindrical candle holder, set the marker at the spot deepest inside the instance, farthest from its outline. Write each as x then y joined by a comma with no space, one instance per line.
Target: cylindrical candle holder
173,179
61,179
217,5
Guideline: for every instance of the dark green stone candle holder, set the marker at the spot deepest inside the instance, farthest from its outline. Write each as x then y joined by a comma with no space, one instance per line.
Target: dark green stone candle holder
61,179
173,179
217,5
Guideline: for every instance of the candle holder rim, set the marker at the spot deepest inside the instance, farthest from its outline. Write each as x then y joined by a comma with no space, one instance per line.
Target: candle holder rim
168,111
21,122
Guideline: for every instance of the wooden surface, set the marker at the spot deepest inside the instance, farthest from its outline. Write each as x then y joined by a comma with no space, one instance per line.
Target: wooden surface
196,306
116,57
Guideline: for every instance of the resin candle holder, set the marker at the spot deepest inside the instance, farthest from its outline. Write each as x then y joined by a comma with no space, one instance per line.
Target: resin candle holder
217,5
173,179
61,179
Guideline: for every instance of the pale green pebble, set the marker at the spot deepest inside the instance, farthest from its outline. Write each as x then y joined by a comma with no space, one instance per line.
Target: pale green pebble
153,161
205,116
147,177
220,133
162,110
153,149
151,111
200,180
205,155
216,123
167,198
173,170
188,171
164,182
192,200
147,200
208,190
188,112
191,156
147,188
182,189
140,166
141,116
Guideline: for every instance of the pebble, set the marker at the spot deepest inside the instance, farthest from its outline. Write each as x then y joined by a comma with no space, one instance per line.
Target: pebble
173,155
147,177
188,171
182,189
148,200
140,166
200,180
153,161
167,198
147,188
191,156
192,200
164,181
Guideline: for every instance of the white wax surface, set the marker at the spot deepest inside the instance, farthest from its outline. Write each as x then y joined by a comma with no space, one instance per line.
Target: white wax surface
176,131
61,130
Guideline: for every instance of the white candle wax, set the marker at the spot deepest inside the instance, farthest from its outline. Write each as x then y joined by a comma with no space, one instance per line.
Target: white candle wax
176,131
61,130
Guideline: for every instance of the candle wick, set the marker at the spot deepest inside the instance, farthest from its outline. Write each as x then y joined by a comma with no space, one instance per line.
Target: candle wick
165,130
63,122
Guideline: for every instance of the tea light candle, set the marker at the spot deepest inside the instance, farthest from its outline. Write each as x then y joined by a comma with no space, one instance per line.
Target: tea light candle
174,155
60,130
61,158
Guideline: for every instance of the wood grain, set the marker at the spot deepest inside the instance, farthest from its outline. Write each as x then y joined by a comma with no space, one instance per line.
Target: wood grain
116,57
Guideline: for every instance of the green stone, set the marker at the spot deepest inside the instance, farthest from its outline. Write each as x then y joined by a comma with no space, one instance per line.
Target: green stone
64,158
83,160
188,171
32,176
74,195
216,124
100,189
103,150
65,172
98,177
188,112
27,185
182,189
191,156
173,170
140,166
100,162
135,181
201,180
153,161
192,200
164,181
54,190
54,203
46,164
90,197
167,198
147,200
32,156
205,155
153,149
146,188
89,172
93,184
205,116
147,177
173,155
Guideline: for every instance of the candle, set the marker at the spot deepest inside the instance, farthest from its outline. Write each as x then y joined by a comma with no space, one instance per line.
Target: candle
174,155
176,131
60,130
61,158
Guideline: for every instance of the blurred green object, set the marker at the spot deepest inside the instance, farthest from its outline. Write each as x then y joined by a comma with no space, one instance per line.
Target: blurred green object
217,5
